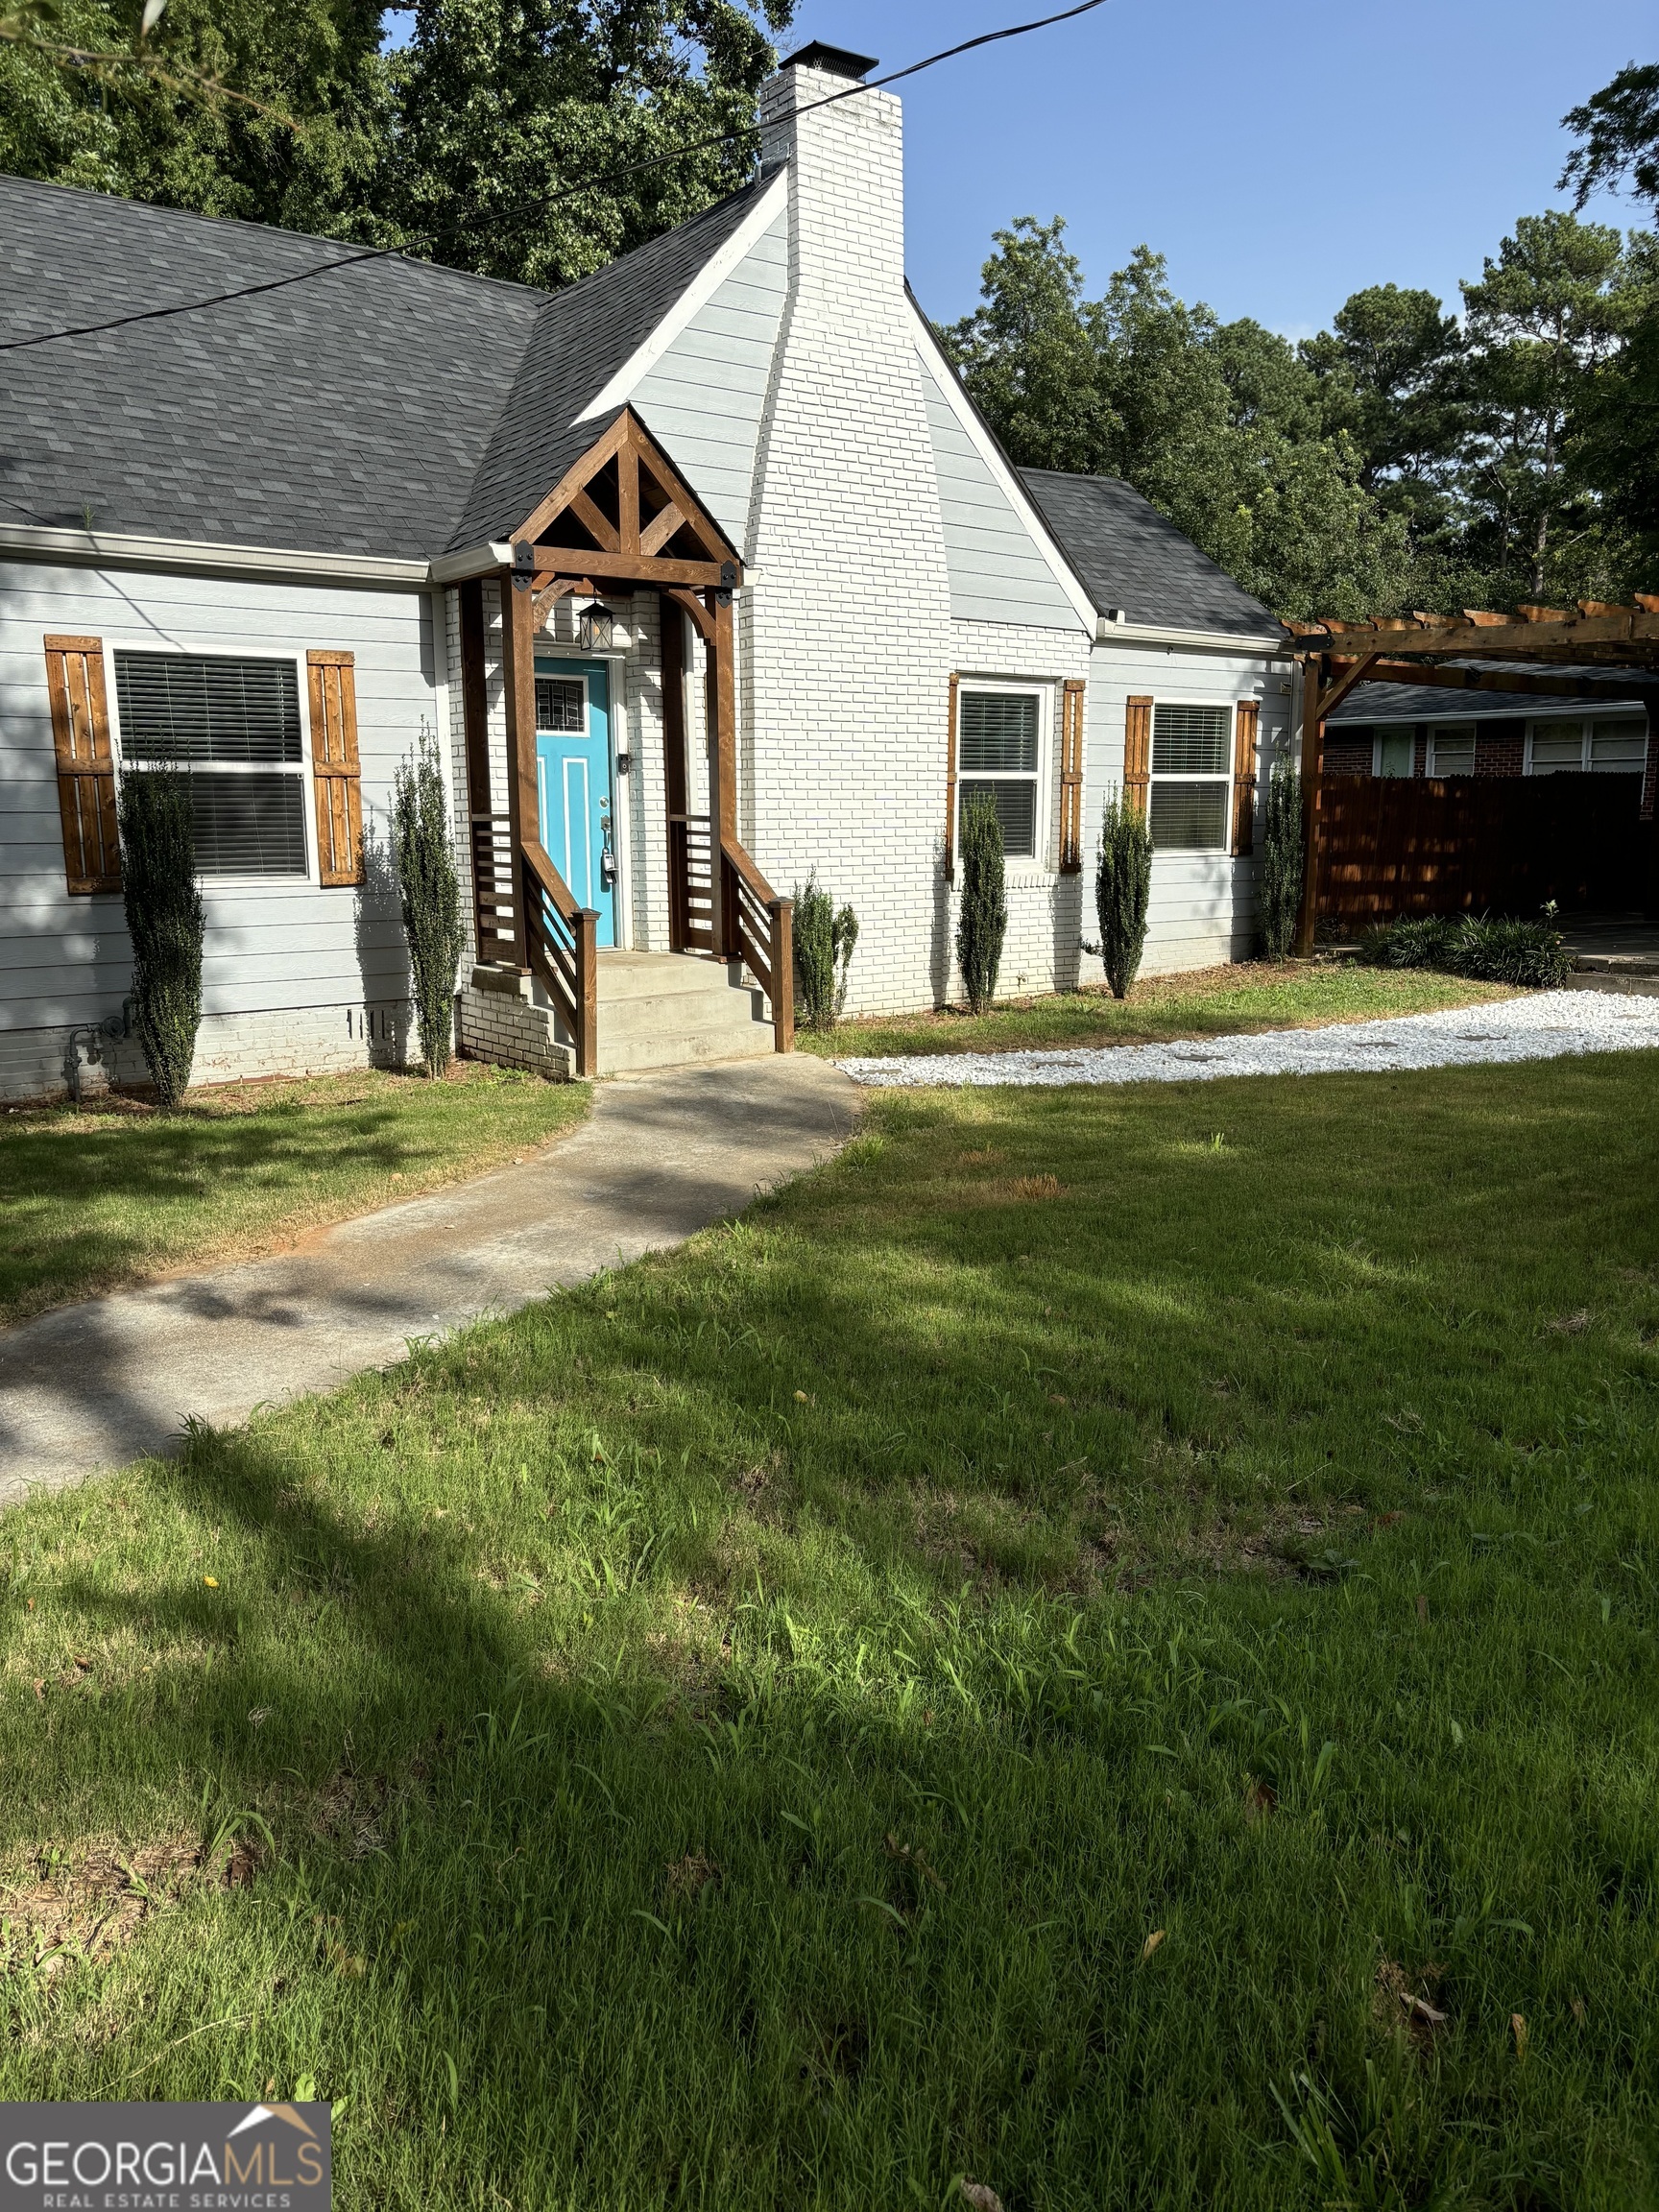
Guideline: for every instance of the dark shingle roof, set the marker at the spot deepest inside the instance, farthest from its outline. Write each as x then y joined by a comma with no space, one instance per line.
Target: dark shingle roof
1130,556
1427,703
394,408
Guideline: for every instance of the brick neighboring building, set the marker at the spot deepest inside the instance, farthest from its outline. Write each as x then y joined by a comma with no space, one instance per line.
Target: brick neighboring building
1407,729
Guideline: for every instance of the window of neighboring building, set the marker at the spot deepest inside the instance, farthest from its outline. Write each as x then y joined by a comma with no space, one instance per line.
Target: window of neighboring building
233,727
1452,750
1396,750
1192,778
1619,748
998,749
1556,748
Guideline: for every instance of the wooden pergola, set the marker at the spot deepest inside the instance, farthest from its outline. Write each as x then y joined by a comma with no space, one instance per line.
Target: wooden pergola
619,519
1513,653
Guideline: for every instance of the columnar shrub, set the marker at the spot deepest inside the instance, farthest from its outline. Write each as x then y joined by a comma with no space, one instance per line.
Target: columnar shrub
165,923
1279,879
824,942
1123,891
430,895
982,921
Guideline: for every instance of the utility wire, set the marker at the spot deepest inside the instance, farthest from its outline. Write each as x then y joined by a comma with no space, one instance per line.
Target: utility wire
553,200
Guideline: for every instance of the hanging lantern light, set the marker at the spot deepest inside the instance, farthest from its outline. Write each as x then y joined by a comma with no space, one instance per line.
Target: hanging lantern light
595,627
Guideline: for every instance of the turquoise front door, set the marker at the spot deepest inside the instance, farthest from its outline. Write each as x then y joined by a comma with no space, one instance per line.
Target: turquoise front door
573,785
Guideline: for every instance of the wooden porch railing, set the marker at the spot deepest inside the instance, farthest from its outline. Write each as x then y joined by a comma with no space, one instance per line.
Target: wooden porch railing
560,938
691,882
759,931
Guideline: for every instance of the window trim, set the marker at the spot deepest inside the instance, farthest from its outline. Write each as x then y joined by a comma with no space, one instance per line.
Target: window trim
300,768
1226,709
1043,859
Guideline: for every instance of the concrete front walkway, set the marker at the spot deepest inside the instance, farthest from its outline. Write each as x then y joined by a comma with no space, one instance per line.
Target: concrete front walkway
95,1385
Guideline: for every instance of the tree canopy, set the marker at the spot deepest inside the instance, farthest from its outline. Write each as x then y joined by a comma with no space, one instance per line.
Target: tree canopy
1407,455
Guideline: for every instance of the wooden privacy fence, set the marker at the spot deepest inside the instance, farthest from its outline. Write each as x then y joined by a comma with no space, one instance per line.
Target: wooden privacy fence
1474,844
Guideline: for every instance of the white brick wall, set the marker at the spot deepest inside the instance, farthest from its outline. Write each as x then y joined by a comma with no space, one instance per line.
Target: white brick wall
229,1047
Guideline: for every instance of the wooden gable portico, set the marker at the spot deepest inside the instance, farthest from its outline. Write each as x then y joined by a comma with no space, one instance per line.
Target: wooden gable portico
620,519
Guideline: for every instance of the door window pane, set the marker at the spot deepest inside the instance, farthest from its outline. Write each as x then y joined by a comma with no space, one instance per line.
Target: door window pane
561,701
1397,750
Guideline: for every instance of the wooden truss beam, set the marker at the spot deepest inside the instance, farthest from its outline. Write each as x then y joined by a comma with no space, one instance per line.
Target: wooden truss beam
1534,634
626,495
1641,685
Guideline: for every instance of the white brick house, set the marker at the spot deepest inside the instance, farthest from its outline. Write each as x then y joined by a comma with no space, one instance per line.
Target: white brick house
780,604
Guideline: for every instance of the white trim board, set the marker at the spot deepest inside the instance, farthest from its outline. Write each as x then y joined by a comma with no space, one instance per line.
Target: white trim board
106,549
1002,475
772,202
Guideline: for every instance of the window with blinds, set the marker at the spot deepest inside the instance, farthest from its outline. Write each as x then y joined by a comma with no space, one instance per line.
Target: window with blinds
233,727
999,746
1192,778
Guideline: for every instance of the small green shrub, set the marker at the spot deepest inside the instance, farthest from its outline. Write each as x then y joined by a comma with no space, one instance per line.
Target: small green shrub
1416,942
824,943
1279,880
430,894
1485,947
165,923
982,921
1532,953
1123,891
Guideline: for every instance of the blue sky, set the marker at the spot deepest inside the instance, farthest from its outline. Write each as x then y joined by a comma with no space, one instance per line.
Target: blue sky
1280,152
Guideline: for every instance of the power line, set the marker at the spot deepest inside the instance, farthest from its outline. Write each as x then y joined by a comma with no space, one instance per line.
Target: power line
553,200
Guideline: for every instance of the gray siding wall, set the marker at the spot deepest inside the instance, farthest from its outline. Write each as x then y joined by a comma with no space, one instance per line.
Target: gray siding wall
277,946
705,400
998,574
1203,909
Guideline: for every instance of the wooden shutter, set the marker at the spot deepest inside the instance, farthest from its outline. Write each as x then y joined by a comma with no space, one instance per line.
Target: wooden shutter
1246,721
1071,778
950,785
334,769
1137,753
86,764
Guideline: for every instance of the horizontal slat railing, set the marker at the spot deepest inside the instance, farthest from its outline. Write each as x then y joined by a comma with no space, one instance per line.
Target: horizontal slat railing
494,900
759,931
691,882
562,945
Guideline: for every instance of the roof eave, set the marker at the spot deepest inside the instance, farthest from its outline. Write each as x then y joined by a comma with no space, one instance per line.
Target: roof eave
1110,632
189,557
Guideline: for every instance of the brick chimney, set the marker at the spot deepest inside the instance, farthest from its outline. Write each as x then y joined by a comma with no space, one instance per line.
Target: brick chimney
848,160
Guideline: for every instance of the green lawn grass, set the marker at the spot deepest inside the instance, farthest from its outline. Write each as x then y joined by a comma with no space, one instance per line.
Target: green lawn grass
1208,1002
1103,1643
112,1193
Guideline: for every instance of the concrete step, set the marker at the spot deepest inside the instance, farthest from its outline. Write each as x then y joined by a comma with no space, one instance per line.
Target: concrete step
675,1009
626,975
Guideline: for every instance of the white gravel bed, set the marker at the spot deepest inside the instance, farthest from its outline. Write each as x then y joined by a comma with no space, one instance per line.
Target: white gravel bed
1544,1026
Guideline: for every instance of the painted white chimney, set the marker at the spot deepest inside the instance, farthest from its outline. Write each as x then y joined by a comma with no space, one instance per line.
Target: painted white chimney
848,638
